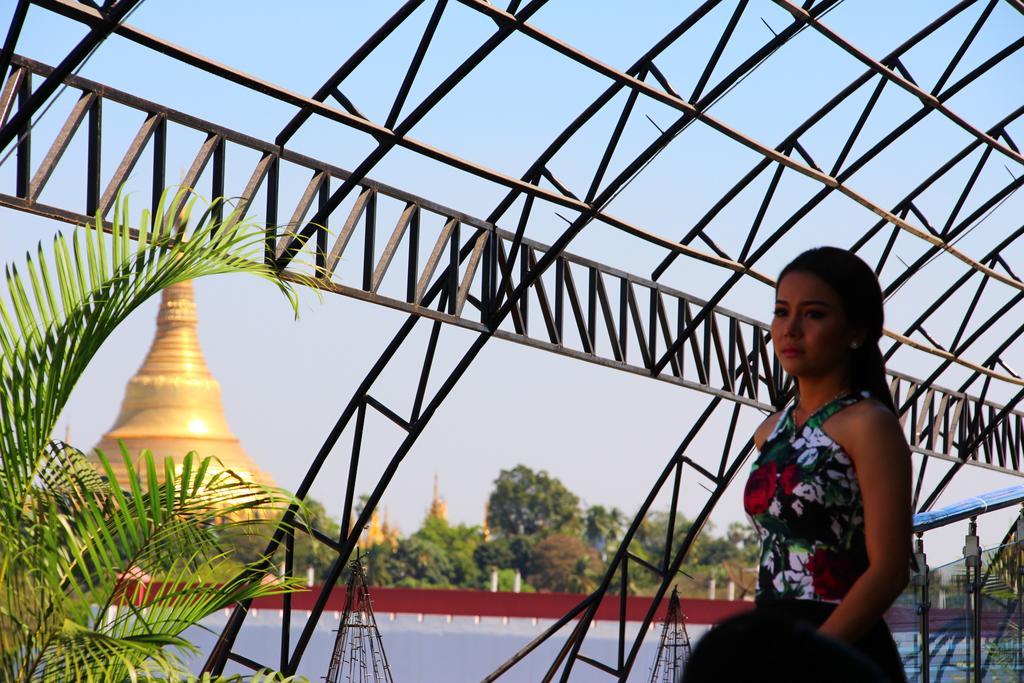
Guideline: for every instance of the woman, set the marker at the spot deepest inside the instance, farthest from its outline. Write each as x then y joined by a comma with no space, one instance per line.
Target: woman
829,492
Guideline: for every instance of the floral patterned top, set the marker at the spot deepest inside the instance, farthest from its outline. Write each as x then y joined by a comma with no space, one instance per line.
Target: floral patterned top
804,499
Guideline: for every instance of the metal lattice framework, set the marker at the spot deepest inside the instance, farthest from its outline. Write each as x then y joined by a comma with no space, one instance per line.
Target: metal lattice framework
489,276
358,655
673,646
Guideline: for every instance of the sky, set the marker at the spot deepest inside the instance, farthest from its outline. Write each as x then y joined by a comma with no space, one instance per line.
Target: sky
605,434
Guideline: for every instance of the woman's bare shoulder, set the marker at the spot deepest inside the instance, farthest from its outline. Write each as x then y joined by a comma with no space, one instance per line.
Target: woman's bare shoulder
867,425
765,429
866,413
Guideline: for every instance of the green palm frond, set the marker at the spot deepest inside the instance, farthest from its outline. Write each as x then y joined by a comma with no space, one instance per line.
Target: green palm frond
131,567
97,583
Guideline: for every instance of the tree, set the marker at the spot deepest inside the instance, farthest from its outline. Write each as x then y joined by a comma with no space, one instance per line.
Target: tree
74,546
525,502
602,527
505,553
564,564
418,563
458,543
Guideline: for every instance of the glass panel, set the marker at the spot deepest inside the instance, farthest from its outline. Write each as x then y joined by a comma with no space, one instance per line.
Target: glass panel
952,624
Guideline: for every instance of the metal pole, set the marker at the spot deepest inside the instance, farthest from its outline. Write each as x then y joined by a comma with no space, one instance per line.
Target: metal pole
923,607
972,561
1020,594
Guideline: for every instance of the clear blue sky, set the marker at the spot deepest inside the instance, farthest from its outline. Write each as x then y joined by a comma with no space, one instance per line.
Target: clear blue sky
605,434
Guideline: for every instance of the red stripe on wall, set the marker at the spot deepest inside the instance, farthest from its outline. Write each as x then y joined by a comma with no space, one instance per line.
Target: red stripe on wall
522,605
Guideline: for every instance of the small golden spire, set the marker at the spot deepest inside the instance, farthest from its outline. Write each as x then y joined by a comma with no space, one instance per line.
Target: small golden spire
438,506
373,534
172,405
485,528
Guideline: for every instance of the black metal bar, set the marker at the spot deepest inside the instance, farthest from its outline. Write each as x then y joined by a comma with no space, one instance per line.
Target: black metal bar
453,268
159,162
417,114
93,157
773,185
414,65
286,612
517,240
613,142
369,237
719,48
217,180
623,594
859,126
364,50
24,153
60,145
10,91
592,308
428,362
971,35
559,290
670,530
78,54
11,41
273,177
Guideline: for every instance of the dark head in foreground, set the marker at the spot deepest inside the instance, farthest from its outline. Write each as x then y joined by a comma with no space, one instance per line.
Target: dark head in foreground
765,648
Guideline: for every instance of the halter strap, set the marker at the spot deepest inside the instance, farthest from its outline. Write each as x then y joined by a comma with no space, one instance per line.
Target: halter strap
824,412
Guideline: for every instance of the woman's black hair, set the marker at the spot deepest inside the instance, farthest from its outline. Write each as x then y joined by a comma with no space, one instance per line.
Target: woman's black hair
858,289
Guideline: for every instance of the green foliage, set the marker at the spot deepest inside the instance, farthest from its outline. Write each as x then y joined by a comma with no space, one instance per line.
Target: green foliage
73,546
436,556
418,563
513,552
525,502
603,527
458,544
572,559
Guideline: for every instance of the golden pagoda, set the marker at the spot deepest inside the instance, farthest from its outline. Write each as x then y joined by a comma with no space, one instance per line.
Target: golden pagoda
172,405
438,506
378,532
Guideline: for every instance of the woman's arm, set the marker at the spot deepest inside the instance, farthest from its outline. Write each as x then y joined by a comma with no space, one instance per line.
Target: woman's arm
872,437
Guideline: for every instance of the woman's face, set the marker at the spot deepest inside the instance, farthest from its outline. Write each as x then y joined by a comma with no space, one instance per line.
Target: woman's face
809,329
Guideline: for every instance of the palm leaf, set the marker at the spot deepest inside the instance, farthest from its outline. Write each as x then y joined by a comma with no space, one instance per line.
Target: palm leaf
71,544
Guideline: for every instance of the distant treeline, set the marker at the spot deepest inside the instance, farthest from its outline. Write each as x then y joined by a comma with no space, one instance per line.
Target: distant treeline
538,527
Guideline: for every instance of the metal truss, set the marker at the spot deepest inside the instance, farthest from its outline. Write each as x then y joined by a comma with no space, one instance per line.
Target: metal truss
501,283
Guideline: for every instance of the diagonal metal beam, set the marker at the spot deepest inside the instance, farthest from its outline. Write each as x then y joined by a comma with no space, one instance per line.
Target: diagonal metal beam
105,23
929,99
60,144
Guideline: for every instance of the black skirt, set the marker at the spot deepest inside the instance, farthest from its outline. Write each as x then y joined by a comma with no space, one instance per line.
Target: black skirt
877,644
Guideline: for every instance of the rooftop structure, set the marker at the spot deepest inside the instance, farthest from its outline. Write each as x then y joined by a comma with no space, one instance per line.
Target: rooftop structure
904,128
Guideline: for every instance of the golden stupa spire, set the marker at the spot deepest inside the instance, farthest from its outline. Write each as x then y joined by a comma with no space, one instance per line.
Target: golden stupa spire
172,404
438,506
